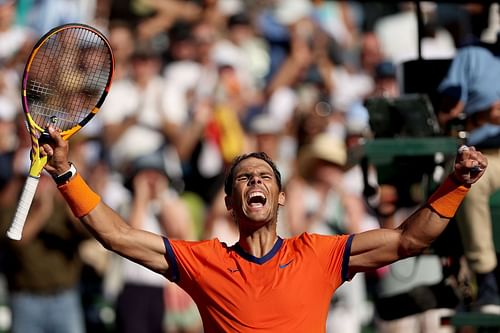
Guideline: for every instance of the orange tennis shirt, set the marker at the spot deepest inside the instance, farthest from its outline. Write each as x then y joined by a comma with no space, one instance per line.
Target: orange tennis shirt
288,290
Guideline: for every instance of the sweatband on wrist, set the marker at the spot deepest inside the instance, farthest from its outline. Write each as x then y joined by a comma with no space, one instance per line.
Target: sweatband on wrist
79,196
448,197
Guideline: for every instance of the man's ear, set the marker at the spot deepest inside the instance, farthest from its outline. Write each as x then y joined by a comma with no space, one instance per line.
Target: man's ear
228,202
281,199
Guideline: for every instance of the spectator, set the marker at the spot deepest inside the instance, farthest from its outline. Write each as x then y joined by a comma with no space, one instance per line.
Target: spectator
370,53
385,81
43,269
245,52
318,203
154,207
14,38
136,120
121,38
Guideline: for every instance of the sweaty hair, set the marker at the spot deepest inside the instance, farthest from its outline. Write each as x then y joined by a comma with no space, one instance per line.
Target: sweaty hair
228,183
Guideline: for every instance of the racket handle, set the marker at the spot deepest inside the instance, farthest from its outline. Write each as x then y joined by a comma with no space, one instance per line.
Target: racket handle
16,228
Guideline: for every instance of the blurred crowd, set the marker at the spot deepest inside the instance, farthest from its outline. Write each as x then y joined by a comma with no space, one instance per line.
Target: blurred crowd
196,83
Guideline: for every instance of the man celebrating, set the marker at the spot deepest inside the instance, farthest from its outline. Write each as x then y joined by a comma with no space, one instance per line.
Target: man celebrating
263,283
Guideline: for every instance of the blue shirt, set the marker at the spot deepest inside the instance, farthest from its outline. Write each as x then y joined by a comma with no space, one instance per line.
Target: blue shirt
473,79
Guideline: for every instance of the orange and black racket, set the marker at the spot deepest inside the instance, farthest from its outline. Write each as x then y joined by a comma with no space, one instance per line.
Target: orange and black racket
66,79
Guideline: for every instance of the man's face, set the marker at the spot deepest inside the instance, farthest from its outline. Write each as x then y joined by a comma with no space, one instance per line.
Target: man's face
256,195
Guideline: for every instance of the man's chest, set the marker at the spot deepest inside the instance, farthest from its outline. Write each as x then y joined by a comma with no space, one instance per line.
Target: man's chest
286,285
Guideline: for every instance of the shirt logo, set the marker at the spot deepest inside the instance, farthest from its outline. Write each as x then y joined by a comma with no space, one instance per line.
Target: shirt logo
285,265
233,270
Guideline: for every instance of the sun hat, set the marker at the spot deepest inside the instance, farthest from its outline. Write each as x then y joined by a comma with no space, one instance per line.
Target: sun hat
324,147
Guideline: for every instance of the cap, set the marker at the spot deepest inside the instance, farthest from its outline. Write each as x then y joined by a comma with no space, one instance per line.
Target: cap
153,161
385,69
238,19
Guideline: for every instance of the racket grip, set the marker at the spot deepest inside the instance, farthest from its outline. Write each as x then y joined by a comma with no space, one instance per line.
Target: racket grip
16,228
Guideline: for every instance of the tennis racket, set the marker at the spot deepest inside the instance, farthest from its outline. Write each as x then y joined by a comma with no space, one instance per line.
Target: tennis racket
65,81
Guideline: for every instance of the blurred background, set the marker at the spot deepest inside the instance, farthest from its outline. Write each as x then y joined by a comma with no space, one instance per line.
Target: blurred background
361,104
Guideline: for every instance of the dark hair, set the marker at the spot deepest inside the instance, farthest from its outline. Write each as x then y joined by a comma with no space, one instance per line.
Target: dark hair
228,182
238,19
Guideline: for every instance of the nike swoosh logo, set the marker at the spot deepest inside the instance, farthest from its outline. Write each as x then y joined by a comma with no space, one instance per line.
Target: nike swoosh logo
284,265
233,270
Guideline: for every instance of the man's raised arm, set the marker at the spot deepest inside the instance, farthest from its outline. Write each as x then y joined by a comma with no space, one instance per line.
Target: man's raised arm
376,248
104,223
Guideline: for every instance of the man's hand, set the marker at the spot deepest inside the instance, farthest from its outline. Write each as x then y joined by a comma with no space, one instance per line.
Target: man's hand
470,165
56,152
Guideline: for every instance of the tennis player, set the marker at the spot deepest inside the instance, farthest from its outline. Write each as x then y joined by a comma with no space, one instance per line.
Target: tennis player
263,283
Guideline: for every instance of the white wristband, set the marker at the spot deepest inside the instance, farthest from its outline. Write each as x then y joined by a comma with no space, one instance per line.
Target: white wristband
65,176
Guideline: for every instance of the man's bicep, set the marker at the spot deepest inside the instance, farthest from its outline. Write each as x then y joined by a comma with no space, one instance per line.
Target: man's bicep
146,249
373,249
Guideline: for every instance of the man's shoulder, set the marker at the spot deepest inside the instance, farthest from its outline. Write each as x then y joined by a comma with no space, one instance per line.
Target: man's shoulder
308,238
476,52
201,245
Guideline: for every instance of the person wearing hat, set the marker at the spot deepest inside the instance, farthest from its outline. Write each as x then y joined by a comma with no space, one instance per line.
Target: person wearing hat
264,282
154,206
318,202
320,169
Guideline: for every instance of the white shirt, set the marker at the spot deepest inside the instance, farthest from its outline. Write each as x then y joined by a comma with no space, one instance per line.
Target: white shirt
12,40
126,100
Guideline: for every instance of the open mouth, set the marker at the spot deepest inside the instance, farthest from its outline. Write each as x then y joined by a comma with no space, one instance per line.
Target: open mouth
256,199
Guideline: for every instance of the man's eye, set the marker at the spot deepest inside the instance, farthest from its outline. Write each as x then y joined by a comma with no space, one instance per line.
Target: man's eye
242,178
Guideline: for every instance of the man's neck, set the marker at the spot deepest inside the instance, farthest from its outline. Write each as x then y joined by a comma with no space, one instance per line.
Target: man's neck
259,242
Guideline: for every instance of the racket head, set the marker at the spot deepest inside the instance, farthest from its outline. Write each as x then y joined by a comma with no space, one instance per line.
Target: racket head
66,79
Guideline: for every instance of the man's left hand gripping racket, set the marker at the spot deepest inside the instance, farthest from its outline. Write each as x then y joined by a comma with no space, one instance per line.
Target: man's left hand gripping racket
66,79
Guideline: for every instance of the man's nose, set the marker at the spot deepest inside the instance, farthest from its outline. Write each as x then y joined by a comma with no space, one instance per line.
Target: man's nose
255,180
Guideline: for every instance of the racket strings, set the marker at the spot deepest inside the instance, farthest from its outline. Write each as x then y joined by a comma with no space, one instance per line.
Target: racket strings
67,77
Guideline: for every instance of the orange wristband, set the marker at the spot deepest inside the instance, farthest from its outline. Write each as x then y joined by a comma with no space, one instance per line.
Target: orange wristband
447,198
80,198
